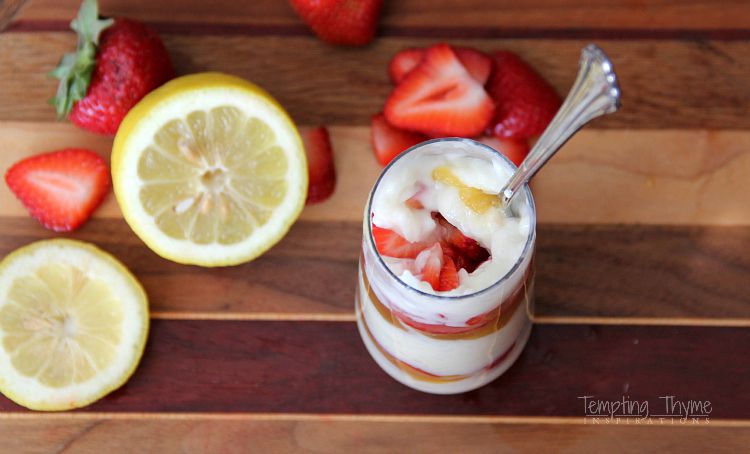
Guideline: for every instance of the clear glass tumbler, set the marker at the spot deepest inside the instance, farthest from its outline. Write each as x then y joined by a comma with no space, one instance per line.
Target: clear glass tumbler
444,344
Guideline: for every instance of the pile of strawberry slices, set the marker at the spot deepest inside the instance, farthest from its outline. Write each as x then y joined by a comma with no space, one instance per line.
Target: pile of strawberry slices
447,91
436,260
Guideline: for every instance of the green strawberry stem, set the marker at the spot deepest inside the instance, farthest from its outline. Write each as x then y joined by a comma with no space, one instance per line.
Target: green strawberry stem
75,68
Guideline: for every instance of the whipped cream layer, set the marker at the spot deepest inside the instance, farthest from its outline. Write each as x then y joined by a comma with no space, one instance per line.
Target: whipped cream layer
474,165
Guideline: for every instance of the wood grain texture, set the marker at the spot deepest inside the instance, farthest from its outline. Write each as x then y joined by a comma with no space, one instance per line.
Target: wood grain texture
682,177
698,273
347,86
232,436
322,367
500,14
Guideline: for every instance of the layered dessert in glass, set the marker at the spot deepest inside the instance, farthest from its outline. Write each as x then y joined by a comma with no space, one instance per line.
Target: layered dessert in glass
445,285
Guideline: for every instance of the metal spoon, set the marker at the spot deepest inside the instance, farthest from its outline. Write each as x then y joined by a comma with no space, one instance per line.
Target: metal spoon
594,93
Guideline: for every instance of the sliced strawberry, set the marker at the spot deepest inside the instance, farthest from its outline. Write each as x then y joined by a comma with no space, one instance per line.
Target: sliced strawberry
478,64
389,141
343,22
322,173
391,244
403,63
513,149
448,275
430,262
466,252
525,101
61,188
440,98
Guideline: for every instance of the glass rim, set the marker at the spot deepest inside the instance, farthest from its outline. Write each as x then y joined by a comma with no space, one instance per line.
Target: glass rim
503,278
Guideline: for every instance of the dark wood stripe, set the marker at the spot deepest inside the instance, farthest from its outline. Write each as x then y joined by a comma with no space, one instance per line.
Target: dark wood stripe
600,271
322,367
643,271
177,28
400,31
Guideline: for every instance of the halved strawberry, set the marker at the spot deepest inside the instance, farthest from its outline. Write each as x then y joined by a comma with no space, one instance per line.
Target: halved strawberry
513,149
478,64
448,275
389,141
60,188
525,101
440,98
320,168
430,262
391,244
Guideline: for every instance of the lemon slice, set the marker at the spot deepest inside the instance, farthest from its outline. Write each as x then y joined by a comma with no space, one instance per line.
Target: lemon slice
209,170
73,325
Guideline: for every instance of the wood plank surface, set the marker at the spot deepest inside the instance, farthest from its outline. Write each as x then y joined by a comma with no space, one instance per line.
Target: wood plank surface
348,86
197,435
274,367
408,14
643,236
681,177
664,273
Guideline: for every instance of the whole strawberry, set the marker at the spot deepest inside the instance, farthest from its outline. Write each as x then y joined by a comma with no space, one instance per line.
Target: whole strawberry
116,63
342,22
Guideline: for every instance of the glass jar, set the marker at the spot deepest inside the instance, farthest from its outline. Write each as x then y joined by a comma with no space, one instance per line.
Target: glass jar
437,343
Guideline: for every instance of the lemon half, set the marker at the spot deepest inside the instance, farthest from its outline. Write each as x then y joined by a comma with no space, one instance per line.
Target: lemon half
73,324
209,170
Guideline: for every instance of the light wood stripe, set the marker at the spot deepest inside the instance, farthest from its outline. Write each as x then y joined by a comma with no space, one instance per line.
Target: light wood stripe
600,177
361,435
540,320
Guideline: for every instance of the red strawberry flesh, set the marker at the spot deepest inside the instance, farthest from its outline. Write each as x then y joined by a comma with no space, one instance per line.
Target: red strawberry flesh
448,275
391,244
116,64
340,22
478,64
61,188
320,165
389,141
466,252
440,98
513,149
430,263
525,102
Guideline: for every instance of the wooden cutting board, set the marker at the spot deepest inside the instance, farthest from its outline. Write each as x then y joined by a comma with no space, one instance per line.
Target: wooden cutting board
643,259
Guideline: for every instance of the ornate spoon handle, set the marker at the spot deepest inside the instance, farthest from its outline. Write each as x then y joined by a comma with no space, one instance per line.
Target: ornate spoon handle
594,93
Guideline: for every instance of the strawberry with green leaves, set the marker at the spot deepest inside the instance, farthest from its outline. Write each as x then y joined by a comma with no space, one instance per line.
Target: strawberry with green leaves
116,63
